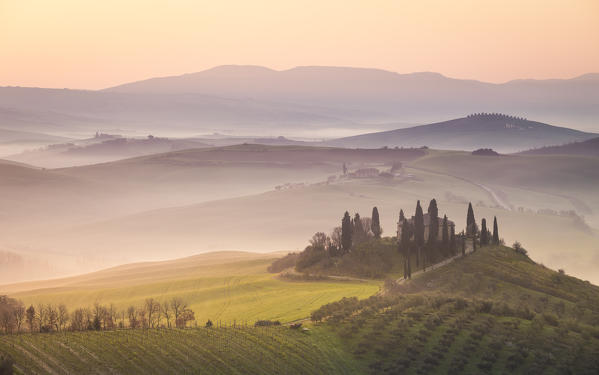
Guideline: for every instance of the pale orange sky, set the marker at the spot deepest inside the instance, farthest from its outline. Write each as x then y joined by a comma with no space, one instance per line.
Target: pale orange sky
99,43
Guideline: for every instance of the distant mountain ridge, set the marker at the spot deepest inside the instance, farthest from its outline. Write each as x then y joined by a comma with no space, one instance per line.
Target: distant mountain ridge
308,101
501,132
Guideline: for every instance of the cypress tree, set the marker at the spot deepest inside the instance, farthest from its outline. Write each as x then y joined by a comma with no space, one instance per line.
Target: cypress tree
346,233
375,224
418,231
484,235
358,233
495,232
433,226
470,221
445,235
406,234
401,215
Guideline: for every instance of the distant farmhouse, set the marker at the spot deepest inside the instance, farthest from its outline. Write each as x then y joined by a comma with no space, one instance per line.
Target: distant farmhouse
427,223
365,173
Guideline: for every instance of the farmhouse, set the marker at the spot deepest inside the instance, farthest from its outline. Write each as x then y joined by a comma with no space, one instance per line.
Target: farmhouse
365,173
427,223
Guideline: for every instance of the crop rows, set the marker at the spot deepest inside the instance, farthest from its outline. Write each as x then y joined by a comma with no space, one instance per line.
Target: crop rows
211,351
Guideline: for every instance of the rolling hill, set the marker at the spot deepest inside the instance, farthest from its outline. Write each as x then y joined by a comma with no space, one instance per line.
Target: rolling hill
224,285
501,132
589,147
492,312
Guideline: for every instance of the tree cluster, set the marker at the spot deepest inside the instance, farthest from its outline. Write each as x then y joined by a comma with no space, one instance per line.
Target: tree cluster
342,240
413,244
15,318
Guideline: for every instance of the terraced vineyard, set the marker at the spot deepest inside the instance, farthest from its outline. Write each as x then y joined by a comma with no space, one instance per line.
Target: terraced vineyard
274,350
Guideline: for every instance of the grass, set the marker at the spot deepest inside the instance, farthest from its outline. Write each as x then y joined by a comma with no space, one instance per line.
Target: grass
191,351
236,287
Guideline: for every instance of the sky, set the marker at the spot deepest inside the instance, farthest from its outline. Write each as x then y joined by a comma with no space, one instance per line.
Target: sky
90,44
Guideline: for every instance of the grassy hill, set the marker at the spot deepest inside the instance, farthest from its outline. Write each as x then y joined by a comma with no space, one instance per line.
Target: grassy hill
221,286
500,132
494,311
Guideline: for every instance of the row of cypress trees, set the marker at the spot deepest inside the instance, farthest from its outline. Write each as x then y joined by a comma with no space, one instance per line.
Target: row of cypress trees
431,249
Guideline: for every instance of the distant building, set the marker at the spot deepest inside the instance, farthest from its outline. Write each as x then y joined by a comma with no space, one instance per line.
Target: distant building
365,173
427,223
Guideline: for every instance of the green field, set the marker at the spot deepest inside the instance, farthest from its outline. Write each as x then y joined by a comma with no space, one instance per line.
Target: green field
191,351
223,286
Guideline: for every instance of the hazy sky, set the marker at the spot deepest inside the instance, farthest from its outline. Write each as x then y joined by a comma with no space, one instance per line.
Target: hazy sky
99,43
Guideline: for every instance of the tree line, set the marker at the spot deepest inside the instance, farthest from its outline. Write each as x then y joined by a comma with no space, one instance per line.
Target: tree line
358,240
429,250
353,231
16,318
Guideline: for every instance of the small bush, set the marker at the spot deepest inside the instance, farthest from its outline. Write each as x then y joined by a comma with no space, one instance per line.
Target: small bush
267,323
519,249
551,319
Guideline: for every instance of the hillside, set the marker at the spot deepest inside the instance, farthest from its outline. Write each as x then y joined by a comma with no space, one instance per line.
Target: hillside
500,132
589,147
494,311
214,351
221,286
83,153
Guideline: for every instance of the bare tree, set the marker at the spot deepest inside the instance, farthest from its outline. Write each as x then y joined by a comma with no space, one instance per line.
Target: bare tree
62,317
42,317
80,319
166,311
153,310
30,317
7,317
52,316
132,316
178,306
19,313
142,315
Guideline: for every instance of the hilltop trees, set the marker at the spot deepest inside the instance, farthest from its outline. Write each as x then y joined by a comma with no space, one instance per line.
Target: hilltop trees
484,234
471,228
359,232
433,232
445,235
418,232
376,224
406,234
